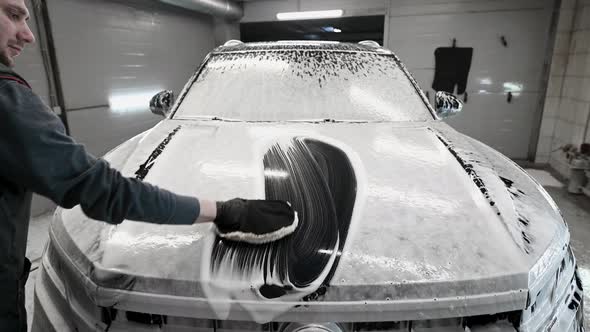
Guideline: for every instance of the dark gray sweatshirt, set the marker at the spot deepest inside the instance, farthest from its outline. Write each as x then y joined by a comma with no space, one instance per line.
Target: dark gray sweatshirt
37,156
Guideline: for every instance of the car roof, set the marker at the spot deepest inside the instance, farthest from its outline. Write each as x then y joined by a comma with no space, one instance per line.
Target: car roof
294,45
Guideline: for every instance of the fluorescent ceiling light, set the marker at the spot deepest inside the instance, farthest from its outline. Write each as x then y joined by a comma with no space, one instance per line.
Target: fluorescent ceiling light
331,29
310,15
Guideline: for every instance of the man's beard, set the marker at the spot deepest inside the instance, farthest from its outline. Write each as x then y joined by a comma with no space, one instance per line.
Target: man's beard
6,60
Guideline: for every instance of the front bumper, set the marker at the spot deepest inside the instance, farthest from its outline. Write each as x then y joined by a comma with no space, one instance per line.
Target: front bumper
53,312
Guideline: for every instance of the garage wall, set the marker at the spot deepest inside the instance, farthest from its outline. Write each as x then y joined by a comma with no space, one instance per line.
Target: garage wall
225,31
113,56
117,47
496,69
566,115
415,28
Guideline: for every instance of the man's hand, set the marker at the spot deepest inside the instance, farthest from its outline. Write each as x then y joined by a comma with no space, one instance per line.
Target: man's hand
255,221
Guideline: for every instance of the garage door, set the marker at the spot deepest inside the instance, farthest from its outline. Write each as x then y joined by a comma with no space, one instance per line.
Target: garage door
509,48
118,57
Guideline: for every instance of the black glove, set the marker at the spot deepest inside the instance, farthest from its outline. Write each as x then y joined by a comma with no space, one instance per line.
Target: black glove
255,221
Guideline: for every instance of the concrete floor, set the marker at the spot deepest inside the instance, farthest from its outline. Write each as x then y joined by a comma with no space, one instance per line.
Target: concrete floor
575,209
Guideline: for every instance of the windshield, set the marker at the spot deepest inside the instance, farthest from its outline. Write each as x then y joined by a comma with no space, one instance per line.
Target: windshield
286,85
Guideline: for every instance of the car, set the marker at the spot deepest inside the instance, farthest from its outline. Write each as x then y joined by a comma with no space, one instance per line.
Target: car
404,223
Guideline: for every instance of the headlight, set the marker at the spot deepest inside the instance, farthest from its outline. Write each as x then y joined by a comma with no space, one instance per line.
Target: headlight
68,281
550,291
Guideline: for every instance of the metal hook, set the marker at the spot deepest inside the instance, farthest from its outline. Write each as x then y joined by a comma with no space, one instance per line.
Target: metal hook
504,42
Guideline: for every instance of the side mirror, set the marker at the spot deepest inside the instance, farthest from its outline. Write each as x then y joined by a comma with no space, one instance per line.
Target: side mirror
446,104
162,102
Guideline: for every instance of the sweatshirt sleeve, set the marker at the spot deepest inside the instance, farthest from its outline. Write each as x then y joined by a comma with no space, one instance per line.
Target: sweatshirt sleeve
36,152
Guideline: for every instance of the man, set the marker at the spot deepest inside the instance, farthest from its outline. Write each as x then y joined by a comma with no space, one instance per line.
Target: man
37,156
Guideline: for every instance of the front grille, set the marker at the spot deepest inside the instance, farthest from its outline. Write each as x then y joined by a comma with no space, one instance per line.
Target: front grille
146,319
505,322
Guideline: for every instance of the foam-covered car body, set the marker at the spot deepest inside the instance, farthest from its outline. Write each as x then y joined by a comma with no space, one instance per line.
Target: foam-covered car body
405,224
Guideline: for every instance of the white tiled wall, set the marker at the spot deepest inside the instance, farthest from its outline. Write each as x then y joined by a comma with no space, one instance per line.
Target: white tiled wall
567,103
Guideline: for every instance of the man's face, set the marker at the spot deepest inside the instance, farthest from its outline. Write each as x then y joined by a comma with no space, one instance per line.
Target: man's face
14,31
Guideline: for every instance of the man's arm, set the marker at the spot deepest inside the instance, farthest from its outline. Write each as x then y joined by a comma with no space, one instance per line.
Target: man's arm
36,152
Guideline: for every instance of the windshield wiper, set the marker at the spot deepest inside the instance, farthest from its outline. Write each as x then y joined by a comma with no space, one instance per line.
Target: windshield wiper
330,120
212,118
318,120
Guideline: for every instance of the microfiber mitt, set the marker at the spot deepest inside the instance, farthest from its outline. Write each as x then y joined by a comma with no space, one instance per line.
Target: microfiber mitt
255,221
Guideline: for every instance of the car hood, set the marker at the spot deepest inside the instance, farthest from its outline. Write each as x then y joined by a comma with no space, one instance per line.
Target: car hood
436,215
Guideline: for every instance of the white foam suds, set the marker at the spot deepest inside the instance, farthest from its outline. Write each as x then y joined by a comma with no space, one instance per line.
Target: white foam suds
229,290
